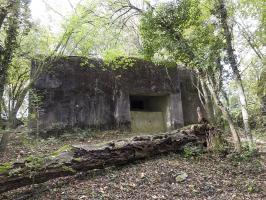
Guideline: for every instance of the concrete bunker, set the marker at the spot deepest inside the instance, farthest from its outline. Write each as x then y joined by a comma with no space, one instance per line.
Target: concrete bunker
148,113
139,97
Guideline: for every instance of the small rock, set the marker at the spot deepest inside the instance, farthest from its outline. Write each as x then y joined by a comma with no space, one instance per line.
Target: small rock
142,175
182,176
82,197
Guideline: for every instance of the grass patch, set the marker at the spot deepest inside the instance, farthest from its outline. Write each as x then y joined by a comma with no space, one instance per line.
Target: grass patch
5,167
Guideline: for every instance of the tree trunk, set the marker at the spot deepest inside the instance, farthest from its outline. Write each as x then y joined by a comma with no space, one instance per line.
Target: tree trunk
4,141
226,115
70,160
234,67
3,14
11,124
6,52
2,82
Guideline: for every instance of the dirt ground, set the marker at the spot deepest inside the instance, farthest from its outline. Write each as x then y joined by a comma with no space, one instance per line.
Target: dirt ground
204,176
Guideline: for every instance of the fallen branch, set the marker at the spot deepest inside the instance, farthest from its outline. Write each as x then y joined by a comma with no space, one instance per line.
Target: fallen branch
70,160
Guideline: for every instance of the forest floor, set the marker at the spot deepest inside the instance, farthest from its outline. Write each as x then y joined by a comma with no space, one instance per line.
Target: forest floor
173,176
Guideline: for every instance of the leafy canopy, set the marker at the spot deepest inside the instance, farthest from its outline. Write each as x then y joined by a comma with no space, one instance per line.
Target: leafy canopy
185,30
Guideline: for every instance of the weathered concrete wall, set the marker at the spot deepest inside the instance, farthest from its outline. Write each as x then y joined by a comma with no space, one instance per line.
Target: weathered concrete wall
147,122
79,92
175,112
122,110
76,96
190,98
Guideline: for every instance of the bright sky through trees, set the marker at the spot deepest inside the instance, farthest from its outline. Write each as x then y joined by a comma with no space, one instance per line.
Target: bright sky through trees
51,12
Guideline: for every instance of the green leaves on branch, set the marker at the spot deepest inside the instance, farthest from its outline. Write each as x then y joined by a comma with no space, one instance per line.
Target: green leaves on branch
184,30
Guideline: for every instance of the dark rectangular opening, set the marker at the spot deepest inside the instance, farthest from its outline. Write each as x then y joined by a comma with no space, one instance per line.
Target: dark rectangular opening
136,105
147,103
148,113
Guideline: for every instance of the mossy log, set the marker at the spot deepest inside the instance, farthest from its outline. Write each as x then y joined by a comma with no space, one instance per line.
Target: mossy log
70,160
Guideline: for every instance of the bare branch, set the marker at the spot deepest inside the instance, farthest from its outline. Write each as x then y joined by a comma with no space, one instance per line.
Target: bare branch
54,10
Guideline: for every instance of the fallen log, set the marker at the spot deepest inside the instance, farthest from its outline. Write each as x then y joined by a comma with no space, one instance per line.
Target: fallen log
70,160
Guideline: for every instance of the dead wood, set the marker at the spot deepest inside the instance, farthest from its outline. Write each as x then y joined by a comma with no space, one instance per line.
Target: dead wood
70,160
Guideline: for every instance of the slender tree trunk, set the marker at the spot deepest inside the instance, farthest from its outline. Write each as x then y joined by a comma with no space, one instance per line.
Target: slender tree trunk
208,102
218,116
4,141
1,109
3,14
234,67
226,115
263,110
12,119
6,134
225,96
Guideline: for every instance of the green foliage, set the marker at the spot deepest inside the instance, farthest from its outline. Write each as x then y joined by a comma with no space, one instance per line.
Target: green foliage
34,162
36,103
5,167
252,187
37,41
189,32
15,171
188,153
14,21
246,155
122,63
183,30
86,63
112,54
255,10
94,33
191,151
249,20
219,144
